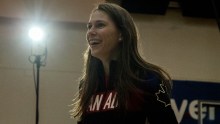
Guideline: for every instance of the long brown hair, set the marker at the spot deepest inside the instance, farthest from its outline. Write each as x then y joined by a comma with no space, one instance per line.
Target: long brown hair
129,61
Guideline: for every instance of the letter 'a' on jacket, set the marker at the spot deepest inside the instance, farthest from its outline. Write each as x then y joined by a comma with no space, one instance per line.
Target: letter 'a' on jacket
103,109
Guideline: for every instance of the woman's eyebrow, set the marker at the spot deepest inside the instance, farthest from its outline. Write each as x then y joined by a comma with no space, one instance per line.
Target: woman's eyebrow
97,21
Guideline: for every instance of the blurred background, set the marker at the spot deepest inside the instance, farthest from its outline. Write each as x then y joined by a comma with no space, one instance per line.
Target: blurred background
181,36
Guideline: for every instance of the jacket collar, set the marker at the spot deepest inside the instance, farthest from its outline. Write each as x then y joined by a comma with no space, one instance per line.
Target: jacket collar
107,83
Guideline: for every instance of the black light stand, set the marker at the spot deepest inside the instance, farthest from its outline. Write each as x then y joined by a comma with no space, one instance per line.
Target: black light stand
39,60
38,64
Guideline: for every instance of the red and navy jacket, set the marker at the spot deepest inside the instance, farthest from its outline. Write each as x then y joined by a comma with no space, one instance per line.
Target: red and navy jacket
103,108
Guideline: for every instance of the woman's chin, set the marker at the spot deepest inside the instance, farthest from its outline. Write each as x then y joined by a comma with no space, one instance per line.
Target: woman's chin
95,54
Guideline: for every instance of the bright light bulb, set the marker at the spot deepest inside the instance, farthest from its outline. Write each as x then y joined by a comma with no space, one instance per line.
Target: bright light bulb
36,34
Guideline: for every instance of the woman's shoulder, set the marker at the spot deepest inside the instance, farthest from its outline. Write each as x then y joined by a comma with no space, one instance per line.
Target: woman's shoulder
154,84
150,80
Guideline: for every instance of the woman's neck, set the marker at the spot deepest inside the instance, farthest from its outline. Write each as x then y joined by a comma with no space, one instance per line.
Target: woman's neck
106,67
106,62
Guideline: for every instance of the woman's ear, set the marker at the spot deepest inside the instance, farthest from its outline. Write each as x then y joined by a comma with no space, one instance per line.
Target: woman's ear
120,37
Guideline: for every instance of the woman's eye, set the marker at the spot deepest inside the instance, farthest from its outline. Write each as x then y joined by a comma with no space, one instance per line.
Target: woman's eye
100,25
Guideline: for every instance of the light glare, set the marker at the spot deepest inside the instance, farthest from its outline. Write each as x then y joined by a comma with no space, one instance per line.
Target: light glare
36,34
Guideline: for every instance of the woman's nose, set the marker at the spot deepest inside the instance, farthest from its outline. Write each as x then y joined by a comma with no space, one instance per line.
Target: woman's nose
91,31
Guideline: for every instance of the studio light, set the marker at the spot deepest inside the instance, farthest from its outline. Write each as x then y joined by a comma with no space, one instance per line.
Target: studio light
38,38
37,34
37,58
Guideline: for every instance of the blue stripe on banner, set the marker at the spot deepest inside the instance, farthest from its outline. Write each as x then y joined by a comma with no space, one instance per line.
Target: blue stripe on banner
184,100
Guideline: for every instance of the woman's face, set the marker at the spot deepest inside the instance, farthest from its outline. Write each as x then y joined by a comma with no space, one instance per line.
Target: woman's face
102,35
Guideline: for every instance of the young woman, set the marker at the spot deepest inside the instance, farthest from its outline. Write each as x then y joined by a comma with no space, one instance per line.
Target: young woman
118,85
